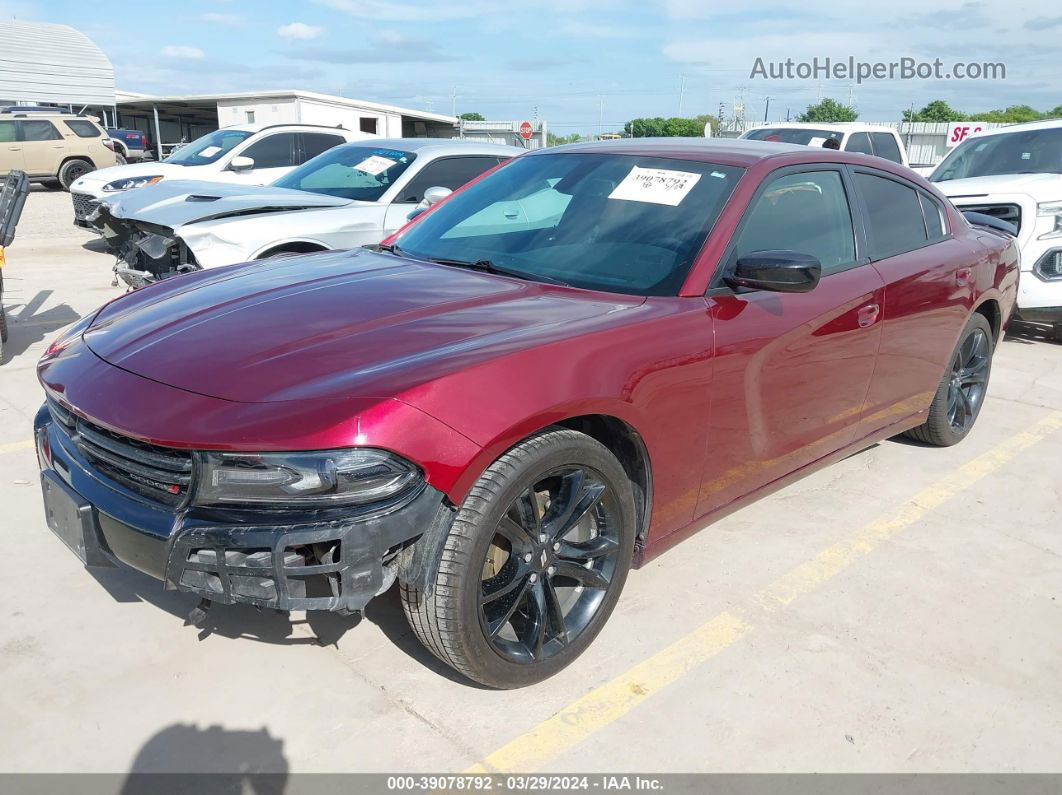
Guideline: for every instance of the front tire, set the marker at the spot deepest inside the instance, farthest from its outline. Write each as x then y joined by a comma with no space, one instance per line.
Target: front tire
961,393
73,170
534,562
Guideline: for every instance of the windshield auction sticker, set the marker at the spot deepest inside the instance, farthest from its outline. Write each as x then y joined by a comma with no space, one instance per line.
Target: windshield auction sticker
374,164
655,185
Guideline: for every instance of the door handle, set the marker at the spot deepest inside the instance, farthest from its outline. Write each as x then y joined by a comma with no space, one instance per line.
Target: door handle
868,315
963,276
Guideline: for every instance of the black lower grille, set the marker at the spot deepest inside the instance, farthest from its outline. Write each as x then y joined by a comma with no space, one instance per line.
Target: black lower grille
161,474
1011,213
83,205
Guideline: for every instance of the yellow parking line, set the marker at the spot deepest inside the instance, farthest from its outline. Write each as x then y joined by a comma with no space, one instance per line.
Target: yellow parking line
601,707
11,447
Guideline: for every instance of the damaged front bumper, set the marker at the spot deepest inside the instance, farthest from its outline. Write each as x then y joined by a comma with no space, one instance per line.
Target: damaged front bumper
145,253
285,561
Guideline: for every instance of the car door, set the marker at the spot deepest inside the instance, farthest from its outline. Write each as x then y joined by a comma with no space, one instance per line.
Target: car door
444,172
274,156
792,370
11,158
42,147
885,146
927,292
859,142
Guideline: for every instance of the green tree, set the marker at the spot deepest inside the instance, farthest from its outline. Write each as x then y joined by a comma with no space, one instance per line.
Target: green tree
1015,114
1054,113
937,110
829,110
559,140
674,127
471,117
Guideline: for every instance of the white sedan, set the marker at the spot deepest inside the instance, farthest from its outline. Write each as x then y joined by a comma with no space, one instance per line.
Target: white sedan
349,196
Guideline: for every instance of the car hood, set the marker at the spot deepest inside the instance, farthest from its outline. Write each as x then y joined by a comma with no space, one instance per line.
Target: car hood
336,324
179,202
1043,187
97,179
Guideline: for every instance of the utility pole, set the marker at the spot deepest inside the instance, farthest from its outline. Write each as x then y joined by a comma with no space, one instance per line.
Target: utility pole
682,92
600,115
766,108
453,101
851,94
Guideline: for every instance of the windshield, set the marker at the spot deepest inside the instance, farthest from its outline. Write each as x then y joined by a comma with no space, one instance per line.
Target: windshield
1030,152
350,172
619,223
793,135
209,148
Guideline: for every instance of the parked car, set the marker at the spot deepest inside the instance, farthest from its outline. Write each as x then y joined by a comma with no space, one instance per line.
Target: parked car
54,148
348,196
558,371
867,139
129,145
1015,174
245,154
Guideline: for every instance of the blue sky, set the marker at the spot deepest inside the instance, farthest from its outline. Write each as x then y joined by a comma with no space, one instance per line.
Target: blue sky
564,57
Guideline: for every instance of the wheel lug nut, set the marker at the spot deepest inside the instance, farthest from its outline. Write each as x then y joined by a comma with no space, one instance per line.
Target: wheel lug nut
527,558
542,537
556,547
533,578
551,571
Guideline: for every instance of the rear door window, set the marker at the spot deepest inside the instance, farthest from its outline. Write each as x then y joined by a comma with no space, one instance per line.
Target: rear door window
7,132
806,212
274,151
314,144
859,142
933,213
885,146
39,130
895,224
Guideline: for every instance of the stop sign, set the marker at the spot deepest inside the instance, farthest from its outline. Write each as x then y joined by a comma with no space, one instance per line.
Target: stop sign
526,130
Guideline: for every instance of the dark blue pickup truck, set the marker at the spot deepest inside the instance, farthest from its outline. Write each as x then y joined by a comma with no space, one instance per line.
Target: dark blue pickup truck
130,144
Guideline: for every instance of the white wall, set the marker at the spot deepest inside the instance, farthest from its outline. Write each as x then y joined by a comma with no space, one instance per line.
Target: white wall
266,111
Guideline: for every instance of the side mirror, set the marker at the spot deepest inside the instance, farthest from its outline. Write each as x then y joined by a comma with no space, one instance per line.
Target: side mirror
435,195
242,163
778,271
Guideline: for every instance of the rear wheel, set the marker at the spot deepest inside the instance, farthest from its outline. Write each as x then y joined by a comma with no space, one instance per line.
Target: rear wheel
962,390
533,565
73,170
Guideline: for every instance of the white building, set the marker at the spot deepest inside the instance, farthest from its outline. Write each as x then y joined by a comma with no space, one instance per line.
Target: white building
188,117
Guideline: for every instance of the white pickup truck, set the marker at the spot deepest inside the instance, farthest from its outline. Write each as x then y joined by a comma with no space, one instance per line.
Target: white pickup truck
869,139
1015,173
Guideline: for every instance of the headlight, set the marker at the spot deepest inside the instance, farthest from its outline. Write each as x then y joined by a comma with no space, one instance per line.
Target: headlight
131,182
1046,210
312,480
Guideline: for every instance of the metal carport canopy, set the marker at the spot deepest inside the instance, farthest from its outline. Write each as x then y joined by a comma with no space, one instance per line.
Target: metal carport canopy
45,63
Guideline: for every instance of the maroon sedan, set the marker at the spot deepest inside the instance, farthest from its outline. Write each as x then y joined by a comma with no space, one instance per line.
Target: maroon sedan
555,374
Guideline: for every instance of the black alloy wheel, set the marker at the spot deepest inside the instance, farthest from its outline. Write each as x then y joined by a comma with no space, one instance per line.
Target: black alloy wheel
969,376
549,565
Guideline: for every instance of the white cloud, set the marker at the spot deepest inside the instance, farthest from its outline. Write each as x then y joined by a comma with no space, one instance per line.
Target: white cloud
411,12
578,29
300,31
181,51
227,20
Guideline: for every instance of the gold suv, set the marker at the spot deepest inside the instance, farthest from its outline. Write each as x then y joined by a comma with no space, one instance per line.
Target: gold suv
52,147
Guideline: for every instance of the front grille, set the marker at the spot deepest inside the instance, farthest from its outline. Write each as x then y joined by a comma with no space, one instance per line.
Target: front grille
161,474
1011,213
83,205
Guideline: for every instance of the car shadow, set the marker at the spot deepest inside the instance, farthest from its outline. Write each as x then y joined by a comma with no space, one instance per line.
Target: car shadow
26,324
1025,333
183,758
245,622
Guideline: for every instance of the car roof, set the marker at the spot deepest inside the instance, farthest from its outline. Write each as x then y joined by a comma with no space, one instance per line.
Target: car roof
837,126
1029,126
440,146
725,151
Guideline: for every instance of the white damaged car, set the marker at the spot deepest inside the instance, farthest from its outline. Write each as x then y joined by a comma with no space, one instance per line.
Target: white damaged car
349,196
